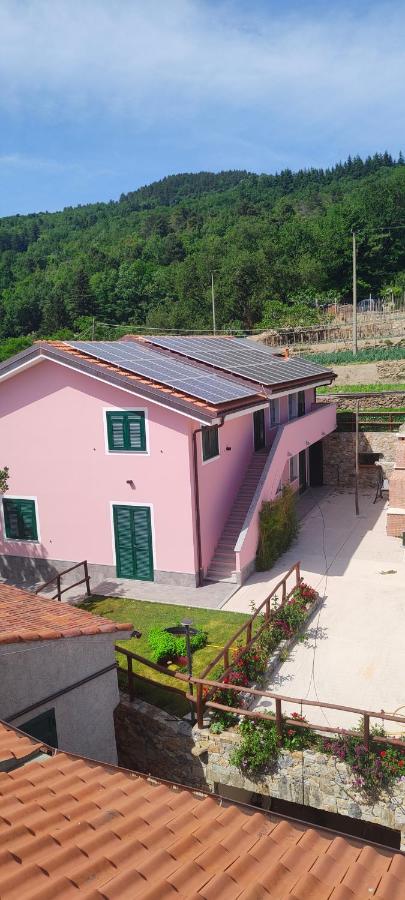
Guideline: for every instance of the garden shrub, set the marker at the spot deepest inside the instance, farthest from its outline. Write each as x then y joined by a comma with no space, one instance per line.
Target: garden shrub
165,646
278,527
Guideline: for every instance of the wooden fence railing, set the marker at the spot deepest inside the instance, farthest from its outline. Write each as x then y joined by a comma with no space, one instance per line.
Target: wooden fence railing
247,627
58,580
370,420
205,687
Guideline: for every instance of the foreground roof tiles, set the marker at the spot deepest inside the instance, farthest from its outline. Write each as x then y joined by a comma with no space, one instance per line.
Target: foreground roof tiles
26,617
71,827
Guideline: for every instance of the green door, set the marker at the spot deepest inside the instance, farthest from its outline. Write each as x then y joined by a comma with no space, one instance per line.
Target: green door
259,429
133,542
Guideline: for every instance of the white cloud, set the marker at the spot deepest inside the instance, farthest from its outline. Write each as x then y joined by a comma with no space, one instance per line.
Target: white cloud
155,59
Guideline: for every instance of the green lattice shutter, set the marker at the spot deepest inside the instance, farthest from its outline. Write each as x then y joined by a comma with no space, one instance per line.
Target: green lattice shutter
135,431
143,543
20,519
123,542
126,431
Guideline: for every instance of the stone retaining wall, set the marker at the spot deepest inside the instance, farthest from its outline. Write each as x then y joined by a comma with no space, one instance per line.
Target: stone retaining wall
306,777
339,457
152,741
155,743
373,401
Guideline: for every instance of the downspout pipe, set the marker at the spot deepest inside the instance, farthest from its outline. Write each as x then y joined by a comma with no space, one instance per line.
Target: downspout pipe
197,501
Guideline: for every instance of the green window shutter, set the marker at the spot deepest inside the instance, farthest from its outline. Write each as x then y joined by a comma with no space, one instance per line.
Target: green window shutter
143,543
20,519
123,542
210,442
126,431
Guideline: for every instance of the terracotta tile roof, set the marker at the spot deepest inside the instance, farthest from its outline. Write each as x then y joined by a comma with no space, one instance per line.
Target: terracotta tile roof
71,826
163,389
28,617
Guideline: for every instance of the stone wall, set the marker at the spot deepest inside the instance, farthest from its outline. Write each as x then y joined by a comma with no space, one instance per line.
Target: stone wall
371,401
339,457
152,741
155,743
306,777
391,371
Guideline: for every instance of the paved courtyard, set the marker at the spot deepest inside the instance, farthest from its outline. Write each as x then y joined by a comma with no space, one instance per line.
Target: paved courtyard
354,650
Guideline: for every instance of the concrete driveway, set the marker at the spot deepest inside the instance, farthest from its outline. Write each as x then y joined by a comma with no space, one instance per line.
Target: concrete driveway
354,650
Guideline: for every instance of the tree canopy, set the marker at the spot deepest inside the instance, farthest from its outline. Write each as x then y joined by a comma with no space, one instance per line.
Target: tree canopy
274,243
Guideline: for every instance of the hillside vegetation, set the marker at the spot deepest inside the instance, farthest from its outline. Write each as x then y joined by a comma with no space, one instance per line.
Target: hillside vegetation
274,242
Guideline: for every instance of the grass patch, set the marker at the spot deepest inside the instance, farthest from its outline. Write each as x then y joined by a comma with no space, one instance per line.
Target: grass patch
220,626
369,354
360,388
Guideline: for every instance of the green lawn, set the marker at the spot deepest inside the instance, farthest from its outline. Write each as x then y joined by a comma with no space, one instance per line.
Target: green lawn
220,626
360,388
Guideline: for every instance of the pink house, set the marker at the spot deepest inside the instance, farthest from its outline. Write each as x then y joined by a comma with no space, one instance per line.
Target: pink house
151,457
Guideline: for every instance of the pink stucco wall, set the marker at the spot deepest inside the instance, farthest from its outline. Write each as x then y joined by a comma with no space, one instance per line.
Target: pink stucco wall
220,478
292,437
52,437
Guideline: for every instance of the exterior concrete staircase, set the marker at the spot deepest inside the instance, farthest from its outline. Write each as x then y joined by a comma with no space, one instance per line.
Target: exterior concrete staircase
223,563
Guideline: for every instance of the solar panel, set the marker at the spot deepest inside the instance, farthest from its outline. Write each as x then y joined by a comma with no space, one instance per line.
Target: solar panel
240,357
170,371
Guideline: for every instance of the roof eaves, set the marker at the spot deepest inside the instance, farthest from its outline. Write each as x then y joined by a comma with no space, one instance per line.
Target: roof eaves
44,350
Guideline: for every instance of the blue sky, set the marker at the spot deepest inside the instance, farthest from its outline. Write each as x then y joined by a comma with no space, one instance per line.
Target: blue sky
98,97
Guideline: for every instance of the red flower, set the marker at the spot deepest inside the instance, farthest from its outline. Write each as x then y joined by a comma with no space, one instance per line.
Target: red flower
290,732
383,753
401,762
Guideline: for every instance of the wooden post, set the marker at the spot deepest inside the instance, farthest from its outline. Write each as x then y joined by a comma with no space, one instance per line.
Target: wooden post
248,633
87,578
267,616
298,574
284,593
366,731
356,447
58,587
200,717
279,718
130,678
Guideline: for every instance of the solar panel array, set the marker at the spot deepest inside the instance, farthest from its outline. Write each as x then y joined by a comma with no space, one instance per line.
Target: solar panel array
241,357
166,370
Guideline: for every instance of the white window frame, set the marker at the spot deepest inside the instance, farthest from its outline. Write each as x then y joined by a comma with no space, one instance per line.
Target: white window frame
274,404
131,453
3,521
293,470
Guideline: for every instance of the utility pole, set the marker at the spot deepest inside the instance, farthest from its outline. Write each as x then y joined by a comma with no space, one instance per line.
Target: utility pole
214,324
354,294
356,481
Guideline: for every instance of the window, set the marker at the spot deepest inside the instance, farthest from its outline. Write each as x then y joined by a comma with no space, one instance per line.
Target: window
126,432
210,442
20,521
274,412
292,406
301,403
293,468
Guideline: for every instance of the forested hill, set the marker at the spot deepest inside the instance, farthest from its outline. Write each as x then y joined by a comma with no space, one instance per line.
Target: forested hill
274,243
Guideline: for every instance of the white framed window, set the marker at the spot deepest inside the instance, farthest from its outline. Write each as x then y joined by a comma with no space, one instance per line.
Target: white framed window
293,468
274,412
